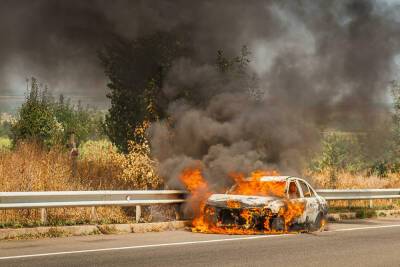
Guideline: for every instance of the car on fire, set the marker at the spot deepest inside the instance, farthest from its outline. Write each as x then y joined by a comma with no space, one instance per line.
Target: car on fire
279,204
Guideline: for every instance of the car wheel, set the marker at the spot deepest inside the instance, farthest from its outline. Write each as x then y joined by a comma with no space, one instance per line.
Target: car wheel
319,223
278,224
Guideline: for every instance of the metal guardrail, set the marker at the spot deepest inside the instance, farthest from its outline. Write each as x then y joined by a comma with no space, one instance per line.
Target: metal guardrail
63,199
54,199
359,194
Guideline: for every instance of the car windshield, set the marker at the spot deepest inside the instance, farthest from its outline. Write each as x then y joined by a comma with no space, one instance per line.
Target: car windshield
259,188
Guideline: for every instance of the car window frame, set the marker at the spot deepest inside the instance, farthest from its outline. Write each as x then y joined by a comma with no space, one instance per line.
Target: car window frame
298,188
310,188
307,186
314,194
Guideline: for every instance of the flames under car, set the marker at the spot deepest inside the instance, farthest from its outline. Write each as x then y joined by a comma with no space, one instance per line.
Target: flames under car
258,218
297,208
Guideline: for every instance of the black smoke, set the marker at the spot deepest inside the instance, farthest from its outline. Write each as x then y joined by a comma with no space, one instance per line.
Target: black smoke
325,65
315,64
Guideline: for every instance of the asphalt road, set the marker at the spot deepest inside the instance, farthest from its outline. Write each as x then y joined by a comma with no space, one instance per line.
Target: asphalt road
353,243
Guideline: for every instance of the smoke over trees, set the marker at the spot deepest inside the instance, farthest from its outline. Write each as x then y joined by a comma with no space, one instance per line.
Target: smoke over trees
136,70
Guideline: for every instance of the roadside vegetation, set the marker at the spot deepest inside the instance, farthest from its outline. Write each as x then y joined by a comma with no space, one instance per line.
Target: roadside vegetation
361,159
5,133
52,144
36,154
29,167
5,143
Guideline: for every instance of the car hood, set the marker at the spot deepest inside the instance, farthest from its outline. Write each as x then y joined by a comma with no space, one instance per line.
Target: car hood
222,200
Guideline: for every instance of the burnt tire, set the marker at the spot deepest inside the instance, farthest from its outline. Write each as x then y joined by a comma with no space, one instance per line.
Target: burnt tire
319,223
277,224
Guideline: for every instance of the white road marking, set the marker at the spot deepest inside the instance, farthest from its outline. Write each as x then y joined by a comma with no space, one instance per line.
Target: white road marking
363,228
184,243
144,246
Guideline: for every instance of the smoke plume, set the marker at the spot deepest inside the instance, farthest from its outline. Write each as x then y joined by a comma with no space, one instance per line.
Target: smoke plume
317,65
314,64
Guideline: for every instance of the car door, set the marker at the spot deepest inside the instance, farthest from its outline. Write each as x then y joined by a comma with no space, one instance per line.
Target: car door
296,197
310,200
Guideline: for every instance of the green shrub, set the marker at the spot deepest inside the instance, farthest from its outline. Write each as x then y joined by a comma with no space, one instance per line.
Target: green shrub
83,122
340,152
49,122
96,149
5,128
365,213
5,143
36,119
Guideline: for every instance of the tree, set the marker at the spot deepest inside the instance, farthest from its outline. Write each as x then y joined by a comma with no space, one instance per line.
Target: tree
5,128
49,122
36,119
83,122
341,152
395,90
136,71
389,160
236,65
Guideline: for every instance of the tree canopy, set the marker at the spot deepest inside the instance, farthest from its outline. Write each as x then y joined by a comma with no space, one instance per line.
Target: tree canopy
136,71
51,122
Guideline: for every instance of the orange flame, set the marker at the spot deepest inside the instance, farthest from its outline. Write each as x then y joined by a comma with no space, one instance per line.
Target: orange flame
254,185
198,187
233,204
200,191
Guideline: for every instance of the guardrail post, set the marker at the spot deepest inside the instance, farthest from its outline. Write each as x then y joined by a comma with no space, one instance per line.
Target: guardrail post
74,155
177,212
371,204
138,213
93,214
43,216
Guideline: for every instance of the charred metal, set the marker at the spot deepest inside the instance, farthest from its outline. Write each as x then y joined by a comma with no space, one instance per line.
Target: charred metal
268,214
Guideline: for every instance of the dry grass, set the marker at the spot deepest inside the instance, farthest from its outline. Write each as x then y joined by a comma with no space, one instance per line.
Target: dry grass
359,181
102,167
30,168
349,181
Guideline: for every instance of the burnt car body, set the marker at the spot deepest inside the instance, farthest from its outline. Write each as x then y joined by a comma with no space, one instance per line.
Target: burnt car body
268,212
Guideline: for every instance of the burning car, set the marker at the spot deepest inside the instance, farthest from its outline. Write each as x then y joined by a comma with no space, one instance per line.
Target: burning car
268,204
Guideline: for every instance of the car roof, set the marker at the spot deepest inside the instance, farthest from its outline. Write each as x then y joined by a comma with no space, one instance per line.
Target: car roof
274,178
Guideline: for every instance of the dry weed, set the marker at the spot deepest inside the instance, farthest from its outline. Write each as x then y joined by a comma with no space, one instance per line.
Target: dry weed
29,167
